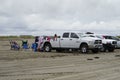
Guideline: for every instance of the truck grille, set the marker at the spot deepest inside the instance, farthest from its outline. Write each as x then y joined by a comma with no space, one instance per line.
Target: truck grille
98,42
114,42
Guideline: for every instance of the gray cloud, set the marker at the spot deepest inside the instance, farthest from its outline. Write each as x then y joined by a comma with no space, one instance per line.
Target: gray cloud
48,16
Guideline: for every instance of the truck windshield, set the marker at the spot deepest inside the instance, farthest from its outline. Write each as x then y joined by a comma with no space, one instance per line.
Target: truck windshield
111,37
116,38
85,35
81,34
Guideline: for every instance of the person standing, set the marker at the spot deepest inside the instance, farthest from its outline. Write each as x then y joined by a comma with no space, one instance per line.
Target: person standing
35,45
55,37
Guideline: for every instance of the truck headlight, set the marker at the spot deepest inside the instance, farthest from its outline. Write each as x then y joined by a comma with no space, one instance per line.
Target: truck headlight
90,42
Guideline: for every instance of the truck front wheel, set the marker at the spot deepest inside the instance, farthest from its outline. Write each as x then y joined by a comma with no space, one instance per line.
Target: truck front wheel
111,49
47,48
84,48
103,49
96,50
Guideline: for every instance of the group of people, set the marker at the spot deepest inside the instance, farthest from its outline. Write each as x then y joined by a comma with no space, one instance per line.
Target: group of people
37,45
15,46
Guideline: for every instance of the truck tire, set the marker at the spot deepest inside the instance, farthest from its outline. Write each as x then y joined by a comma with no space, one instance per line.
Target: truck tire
103,49
111,49
58,50
84,48
96,50
47,48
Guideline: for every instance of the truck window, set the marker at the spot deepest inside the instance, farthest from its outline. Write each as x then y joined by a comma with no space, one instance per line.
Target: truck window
108,37
66,35
73,35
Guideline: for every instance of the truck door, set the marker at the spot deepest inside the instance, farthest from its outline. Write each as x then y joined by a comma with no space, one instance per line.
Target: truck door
64,41
74,40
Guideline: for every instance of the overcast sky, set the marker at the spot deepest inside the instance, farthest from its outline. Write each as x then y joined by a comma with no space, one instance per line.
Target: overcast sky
35,17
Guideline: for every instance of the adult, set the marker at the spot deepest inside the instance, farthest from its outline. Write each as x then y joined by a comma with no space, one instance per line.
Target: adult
35,44
55,37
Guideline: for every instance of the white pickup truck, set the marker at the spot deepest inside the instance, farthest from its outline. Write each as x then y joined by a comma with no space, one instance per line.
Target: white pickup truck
72,40
108,44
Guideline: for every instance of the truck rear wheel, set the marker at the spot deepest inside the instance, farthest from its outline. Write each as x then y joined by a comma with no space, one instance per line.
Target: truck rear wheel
84,48
47,48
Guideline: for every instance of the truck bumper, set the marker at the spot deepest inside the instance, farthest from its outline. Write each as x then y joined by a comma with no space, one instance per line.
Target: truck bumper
109,46
95,46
